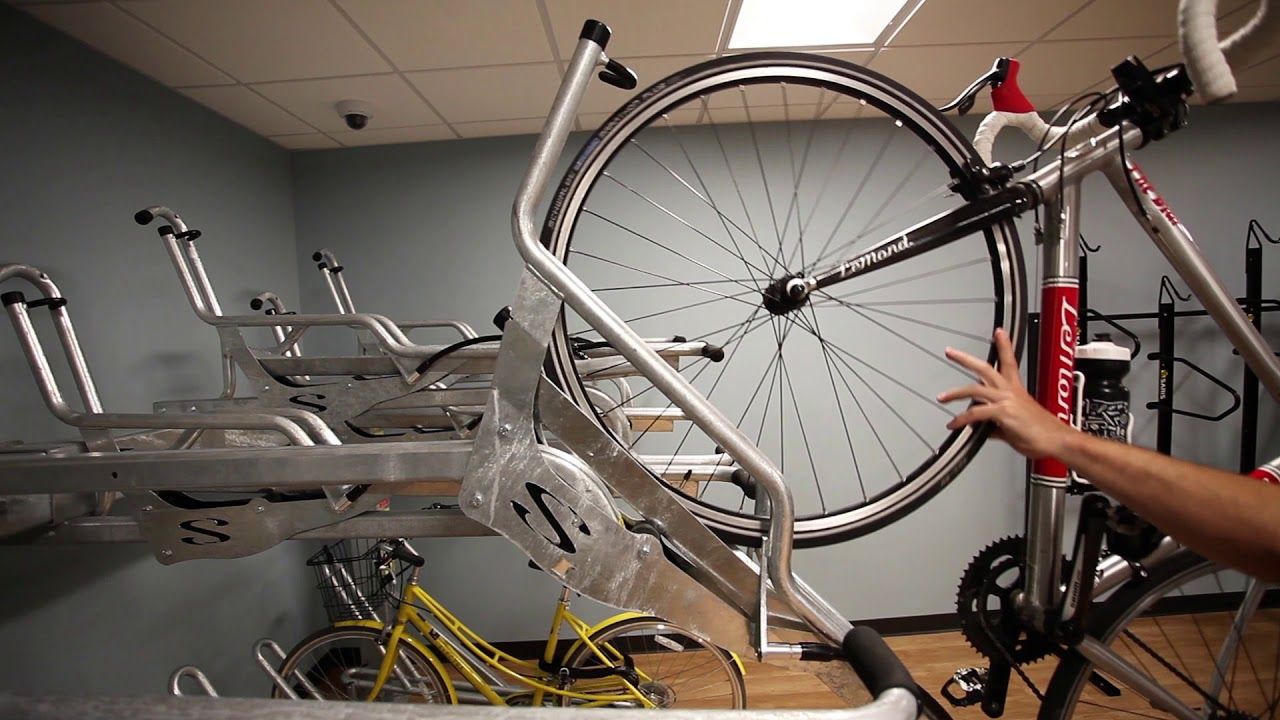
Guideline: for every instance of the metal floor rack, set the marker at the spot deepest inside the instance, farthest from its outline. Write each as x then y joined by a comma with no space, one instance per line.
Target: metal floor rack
317,446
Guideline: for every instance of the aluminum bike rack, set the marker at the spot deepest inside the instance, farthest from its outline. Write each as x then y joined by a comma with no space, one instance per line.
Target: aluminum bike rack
556,502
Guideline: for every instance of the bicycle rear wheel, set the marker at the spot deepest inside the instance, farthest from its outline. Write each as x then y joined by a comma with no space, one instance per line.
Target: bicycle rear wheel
1173,626
341,663
676,669
729,175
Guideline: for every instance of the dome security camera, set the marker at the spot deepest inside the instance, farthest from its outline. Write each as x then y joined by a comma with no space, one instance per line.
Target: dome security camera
355,113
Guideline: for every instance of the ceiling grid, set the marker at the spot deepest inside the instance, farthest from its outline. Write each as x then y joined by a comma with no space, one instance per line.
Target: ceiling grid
449,69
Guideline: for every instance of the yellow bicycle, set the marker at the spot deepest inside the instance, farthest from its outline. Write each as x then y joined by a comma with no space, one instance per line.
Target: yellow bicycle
628,660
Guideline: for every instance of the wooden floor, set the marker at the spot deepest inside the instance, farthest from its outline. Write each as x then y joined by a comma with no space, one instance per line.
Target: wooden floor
933,658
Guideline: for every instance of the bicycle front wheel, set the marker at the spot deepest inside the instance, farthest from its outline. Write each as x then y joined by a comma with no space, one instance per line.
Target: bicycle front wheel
1184,626
731,175
675,668
341,663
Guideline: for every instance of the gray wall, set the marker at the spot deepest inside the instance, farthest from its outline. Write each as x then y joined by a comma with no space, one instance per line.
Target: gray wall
87,143
424,232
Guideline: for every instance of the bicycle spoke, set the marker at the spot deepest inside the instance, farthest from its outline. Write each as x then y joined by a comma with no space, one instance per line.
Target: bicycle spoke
705,196
651,241
857,193
844,422
804,437
912,320
715,129
658,206
764,177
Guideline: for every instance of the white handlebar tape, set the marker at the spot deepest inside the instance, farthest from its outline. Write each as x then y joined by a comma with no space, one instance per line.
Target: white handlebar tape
1198,36
1209,62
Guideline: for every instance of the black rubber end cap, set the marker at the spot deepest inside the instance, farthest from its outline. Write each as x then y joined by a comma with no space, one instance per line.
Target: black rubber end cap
13,297
316,256
744,482
596,31
877,665
500,320
714,353
255,304
143,217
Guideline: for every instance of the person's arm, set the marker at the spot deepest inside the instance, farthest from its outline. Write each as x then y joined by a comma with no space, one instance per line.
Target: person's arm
1226,517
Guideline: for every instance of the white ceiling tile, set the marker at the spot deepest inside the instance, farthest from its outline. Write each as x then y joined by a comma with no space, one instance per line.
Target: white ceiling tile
305,141
261,40
418,35
490,128
602,97
394,103
247,108
1266,72
393,136
113,32
489,93
1262,93
1067,66
939,70
1129,18
857,57
648,28
940,22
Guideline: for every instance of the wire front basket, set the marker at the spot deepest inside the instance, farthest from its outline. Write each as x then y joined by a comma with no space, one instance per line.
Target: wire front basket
357,579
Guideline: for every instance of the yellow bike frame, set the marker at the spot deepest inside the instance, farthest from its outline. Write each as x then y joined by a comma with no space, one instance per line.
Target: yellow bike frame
416,602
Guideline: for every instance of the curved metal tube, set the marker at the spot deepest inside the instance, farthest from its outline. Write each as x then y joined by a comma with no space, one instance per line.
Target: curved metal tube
53,398
631,346
193,672
66,331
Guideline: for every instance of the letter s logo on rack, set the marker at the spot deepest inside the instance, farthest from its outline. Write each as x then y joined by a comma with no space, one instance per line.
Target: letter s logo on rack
217,537
539,496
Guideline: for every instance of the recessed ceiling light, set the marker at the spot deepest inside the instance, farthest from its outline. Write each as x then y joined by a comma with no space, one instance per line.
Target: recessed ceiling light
802,23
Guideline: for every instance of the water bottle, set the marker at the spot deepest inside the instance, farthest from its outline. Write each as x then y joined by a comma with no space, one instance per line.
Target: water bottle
1104,400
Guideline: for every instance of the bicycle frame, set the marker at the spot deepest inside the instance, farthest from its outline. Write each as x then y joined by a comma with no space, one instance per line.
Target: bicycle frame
417,602
1057,187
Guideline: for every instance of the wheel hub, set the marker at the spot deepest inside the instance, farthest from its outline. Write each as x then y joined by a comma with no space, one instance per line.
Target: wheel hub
786,294
659,694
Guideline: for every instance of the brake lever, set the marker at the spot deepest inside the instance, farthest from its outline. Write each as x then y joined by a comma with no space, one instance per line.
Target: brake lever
965,100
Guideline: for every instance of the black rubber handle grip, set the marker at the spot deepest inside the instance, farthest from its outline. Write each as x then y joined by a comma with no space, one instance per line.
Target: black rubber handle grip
877,665
619,75
595,31
400,552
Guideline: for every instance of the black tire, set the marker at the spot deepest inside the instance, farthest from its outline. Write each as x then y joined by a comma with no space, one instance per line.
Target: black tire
678,669
905,441
1129,613
328,653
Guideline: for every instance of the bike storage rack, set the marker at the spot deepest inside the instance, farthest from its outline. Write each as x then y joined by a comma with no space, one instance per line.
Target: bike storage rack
332,439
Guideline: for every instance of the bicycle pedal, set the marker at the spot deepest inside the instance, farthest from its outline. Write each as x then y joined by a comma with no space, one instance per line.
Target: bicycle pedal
972,681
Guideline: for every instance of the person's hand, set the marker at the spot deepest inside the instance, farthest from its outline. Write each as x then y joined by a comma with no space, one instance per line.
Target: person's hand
1001,400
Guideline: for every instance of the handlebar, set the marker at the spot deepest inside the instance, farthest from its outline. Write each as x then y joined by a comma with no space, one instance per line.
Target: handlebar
1208,63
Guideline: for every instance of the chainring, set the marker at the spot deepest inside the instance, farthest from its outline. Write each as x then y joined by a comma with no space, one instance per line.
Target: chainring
985,605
